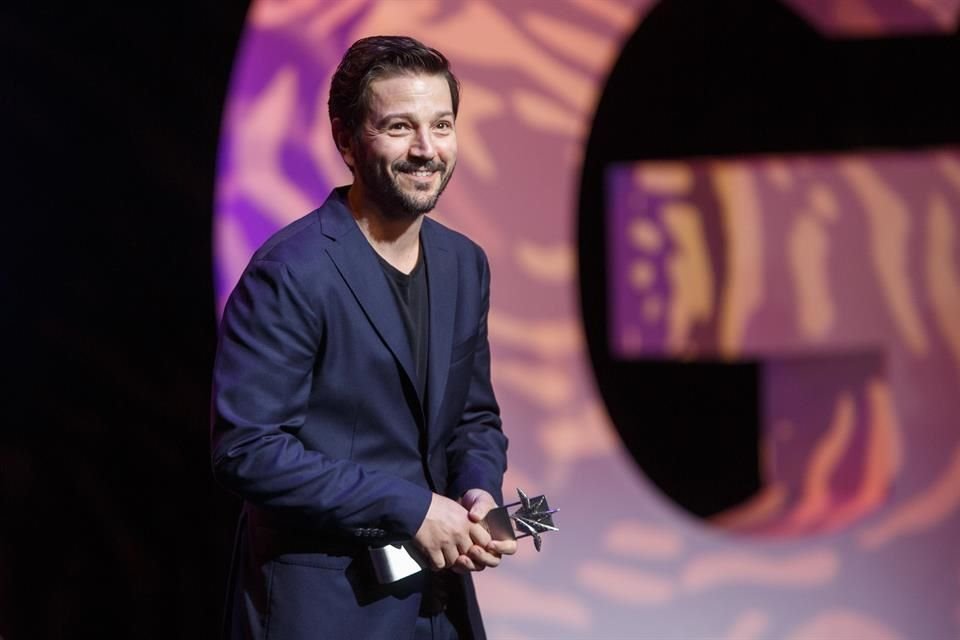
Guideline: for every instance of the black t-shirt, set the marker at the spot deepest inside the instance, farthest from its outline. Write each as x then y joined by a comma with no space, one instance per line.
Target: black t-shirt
410,292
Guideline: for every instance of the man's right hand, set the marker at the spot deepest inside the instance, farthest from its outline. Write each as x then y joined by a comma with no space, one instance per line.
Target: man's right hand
444,534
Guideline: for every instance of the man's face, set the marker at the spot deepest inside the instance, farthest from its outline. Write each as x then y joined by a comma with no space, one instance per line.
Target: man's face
407,145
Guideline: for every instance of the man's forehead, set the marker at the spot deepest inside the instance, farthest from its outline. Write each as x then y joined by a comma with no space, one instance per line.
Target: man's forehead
410,89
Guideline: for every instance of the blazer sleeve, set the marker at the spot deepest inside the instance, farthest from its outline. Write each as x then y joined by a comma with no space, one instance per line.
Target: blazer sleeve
265,361
477,453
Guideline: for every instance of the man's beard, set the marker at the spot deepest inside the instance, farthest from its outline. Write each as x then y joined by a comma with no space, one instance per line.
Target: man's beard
394,202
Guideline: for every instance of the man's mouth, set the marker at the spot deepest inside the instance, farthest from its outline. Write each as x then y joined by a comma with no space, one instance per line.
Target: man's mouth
422,173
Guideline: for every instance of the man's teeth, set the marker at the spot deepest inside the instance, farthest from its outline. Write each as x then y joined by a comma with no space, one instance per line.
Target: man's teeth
422,173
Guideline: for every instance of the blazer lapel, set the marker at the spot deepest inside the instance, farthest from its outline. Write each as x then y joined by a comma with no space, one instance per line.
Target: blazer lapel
442,280
357,263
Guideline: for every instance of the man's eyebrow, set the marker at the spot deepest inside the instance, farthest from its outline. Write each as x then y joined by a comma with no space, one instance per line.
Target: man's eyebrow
406,115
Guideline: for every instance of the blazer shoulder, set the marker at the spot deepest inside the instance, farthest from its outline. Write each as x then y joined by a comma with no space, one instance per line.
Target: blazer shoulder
292,243
301,242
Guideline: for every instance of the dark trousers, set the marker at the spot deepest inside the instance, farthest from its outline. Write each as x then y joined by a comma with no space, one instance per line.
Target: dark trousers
442,615
436,627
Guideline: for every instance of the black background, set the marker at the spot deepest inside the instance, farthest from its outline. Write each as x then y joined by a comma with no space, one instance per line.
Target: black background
110,522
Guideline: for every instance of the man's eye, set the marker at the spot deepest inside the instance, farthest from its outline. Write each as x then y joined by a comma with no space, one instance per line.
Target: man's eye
398,126
444,125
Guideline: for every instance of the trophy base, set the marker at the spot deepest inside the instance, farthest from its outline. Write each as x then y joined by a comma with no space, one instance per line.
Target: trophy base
395,562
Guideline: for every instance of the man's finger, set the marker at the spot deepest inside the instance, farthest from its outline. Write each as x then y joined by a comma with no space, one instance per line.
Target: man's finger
480,508
436,560
502,547
464,565
479,535
465,541
450,555
478,503
482,557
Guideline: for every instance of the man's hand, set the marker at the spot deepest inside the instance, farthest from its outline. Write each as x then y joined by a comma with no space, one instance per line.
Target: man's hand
445,534
484,552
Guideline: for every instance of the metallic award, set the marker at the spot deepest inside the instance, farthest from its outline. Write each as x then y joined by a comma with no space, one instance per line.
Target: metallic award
532,518
394,562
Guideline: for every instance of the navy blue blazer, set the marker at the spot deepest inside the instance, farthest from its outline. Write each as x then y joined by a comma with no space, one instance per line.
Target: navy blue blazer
318,426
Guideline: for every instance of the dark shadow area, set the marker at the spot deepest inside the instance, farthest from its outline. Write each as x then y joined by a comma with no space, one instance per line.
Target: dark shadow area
110,522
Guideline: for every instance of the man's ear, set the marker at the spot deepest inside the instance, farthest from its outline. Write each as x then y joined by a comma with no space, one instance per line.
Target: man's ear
344,141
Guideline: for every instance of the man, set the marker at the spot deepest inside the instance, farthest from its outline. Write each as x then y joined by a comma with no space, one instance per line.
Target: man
352,396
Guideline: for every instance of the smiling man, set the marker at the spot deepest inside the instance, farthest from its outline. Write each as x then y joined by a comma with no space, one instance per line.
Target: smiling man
352,403
406,149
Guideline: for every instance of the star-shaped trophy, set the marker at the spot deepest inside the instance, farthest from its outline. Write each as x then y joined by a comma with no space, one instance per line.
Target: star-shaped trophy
533,518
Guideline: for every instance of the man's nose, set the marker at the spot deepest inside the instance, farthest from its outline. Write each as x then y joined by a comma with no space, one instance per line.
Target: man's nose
423,145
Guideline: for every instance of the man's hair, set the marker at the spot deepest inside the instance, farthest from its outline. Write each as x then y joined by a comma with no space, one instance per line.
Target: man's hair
376,57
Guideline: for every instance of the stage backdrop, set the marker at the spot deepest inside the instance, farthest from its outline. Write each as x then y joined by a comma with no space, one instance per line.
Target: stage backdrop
819,496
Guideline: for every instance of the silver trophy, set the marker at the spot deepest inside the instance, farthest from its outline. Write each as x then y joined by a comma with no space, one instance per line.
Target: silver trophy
394,562
532,518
